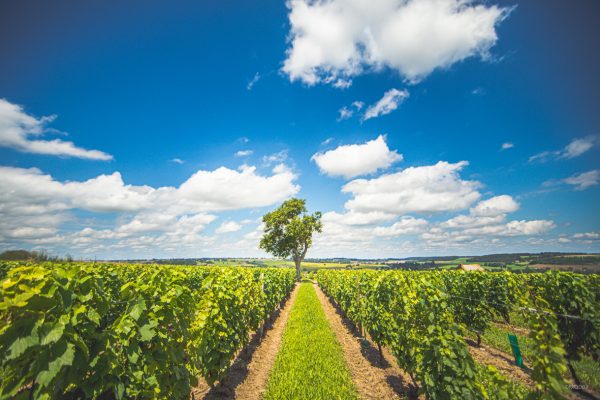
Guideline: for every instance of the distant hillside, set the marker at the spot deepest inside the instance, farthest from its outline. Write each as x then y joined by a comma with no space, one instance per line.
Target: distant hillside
552,258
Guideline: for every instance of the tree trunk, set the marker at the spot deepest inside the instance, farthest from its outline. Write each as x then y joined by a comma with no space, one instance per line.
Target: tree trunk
298,261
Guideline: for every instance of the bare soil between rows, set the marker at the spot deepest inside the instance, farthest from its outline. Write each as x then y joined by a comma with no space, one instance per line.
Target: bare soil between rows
248,375
375,378
503,362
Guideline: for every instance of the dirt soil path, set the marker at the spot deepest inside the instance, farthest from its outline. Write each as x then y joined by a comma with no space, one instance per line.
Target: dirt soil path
505,364
374,379
248,375
502,361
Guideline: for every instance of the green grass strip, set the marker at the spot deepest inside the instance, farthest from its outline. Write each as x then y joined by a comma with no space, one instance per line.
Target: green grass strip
310,363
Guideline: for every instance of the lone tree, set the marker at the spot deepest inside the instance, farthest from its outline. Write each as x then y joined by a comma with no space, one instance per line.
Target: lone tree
289,230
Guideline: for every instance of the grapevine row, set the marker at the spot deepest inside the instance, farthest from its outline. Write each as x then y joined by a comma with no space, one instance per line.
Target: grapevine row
422,318
127,331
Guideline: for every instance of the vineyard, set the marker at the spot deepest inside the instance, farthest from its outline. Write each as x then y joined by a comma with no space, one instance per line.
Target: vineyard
127,331
423,317
83,330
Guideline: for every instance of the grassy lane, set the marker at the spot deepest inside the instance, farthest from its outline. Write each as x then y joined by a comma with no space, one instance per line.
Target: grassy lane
310,363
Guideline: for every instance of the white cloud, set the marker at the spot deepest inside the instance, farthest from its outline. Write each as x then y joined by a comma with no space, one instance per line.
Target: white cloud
28,232
577,147
488,235
495,206
512,228
388,103
471,221
507,145
244,153
347,112
105,193
357,159
425,189
212,190
355,234
358,105
587,235
485,224
17,129
333,41
177,160
405,226
535,227
484,235
228,226
574,149
253,81
543,156
357,218
276,158
33,204
583,180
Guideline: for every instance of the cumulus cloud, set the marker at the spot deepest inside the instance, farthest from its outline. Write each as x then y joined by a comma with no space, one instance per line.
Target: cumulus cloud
19,130
36,201
388,103
495,206
29,190
243,153
587,235
333,41
507,145
379,214
426,189
352,218
228,227
486,234
353,160
486,221
405,226
513,228
472,221
574,149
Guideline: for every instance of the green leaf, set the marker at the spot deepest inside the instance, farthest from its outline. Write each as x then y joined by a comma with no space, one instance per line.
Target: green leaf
56,332
20,345
147,332
137,309
93,316
54,367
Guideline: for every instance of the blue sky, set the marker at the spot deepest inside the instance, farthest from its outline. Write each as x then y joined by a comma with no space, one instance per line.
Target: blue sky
418,128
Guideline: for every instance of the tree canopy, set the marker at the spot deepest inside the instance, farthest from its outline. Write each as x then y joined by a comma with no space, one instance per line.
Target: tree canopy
289,230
